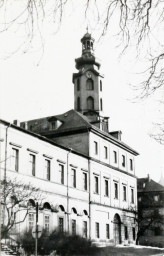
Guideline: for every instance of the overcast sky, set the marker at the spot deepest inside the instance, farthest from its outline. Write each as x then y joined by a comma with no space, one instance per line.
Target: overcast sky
36,82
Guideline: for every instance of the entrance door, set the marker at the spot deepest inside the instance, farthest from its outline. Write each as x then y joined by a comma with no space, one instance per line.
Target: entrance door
117,229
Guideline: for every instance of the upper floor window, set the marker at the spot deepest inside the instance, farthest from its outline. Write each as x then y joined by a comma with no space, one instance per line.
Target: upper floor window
85,180
61,171
48,169
78,103
116,190
101,105
131,164
90,84
95,147
156,198
105,152
132,195
15,159
73,178
32,164
115,156
90,103
106,188
96,184
100,85
78,84
124,193
123,160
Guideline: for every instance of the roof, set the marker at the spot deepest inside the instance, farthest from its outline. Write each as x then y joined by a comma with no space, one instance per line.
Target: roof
148,185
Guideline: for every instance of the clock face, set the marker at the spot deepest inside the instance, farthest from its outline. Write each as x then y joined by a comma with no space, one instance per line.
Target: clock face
88,74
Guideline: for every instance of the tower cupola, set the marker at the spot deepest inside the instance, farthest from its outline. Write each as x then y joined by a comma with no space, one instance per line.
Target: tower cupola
87,44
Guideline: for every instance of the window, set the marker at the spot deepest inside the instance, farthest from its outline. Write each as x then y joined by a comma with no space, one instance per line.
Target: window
156,198
90,84
85,180
132,195
116,190
31,220
47,223
123,160
61,173
90,103
131,164
124,193
73,227
100,85
85,229
96,184
126,232
15,159
78,103
78,84
105,152
61,225
134,233
106,188
101,105
48,169
32,164
73,176
107,231
115,156
96,147
97,231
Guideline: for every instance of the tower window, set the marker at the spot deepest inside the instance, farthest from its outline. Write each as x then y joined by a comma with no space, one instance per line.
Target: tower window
101,105
100,85
90,84
90,103
78,103
78,84
88,45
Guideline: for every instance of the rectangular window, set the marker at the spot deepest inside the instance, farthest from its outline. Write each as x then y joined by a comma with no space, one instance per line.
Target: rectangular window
97,231
15,159
85,229
61,173
96,147
115,156
73,178
31,220
73,227
85,180
123,160
132,195
126,232
106,188
105,152
32,164
47,223
107,231
134,233
131,164
48,169
96,184
124,193
116,190
61,225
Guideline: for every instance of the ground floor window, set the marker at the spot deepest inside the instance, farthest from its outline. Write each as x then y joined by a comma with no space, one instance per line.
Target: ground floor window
85,229
107,231
97,231
73,227
126,232
47,223
134,233
61,224
31,220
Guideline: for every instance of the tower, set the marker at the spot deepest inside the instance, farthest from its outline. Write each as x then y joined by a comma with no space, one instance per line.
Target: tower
88,85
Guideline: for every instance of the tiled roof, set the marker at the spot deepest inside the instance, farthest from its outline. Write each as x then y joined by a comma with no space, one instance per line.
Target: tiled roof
148,185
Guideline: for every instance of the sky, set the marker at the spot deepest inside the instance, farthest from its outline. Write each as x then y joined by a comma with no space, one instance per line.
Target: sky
36,81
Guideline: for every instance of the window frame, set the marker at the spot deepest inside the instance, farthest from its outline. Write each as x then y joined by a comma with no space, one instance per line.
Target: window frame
47,224
95,147
106,181
123,161
115,156
61,166
107,231
85,181
115,190
85,229
105,152
124,193
15,158
73,175
131,164
48,169
96,183
73,225
97,229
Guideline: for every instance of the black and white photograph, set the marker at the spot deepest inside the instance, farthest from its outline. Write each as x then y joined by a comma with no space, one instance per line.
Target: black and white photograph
82,127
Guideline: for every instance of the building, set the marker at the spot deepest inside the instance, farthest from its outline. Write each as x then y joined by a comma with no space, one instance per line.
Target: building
87,172
151,205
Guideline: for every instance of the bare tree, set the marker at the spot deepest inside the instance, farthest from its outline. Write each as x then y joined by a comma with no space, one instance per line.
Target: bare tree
15,203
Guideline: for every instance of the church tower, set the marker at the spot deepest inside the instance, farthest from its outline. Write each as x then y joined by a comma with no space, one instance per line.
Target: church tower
88,85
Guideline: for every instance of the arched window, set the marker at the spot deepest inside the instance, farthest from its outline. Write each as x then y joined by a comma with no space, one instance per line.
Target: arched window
78,103
100,85
61,208
31,203
74,210
101,105
47,206
90,103
78,84
90,84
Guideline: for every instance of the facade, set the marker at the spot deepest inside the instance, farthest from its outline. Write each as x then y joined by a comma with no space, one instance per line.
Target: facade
151,203
87,172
